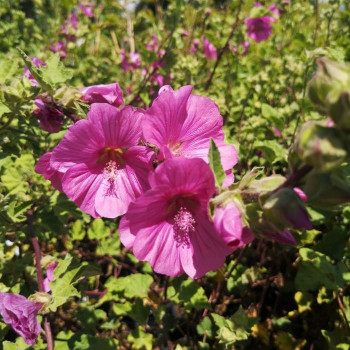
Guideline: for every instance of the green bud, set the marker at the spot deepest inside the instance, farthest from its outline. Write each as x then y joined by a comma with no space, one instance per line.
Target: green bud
41,298
340,111
329,190
328,83
46,260
320,146
284,209
67,95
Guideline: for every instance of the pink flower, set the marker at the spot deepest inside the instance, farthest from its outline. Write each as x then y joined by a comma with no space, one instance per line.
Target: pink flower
259,29
300,193
274,10
50,119
44,167
283,237
246,45
104,168
49,275
276,131
74,21
131,63
110,93
209,49
185,33
181,125
169,225
59,47
21,315
27,72
194,46
87,9
153,46
228,224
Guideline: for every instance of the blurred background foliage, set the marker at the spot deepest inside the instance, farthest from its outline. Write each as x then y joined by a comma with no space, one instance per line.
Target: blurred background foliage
266,296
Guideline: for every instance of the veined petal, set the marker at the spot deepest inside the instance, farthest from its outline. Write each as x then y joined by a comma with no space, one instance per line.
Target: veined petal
157,245
81,144
208,252
80,184
120,128
179,174
164,120
43,167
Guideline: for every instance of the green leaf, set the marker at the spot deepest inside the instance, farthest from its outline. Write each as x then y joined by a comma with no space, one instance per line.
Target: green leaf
140,339
4,109
237,328
205,327
272,150
54,73
98,230
68,273
272,115
37,73
193,296
215,164
8,69
77,232
250,176
131,286
88,342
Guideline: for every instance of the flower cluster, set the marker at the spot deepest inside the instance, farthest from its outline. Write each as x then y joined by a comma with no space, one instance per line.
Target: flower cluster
152,166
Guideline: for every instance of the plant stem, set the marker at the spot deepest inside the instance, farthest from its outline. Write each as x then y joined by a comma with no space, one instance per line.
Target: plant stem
37,251
222,50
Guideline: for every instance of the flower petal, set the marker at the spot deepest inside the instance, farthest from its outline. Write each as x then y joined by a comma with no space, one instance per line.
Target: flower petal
121,128
80,184
209,250
81,144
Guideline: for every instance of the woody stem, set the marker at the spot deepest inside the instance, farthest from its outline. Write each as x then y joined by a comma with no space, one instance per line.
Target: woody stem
37,251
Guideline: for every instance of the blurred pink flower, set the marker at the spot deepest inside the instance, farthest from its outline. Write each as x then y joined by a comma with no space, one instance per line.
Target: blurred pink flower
300,193
130,63
276,131
49,275
153,45
185,33
59,47
50,118
104,168
169,225
194,46
87,9
274,10
74,21
43,167
21,314
259,29
228,224
181,125
209,49
27,72
110,93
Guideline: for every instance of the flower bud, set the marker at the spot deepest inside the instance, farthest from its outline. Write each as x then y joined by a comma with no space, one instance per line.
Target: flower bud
320,146
340,111
262,227
284,208
328,83
329,190
41,298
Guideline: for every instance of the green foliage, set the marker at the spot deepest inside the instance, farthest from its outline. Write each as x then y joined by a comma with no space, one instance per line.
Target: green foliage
67,274
267,296
215,163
